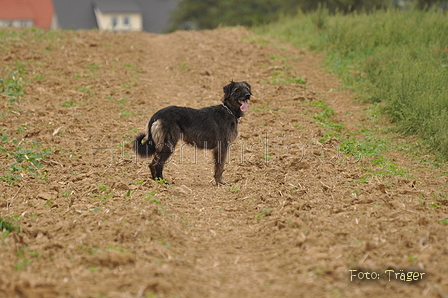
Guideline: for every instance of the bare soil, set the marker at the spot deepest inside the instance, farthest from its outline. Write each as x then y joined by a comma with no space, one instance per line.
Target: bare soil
293,220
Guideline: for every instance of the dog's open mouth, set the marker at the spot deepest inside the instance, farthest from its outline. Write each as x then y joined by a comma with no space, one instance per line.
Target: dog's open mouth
244,105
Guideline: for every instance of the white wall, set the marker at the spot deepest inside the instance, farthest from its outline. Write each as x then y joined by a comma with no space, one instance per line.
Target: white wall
117,21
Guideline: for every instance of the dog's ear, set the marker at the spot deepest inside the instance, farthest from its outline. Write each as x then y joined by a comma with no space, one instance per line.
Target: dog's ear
228,89
248,86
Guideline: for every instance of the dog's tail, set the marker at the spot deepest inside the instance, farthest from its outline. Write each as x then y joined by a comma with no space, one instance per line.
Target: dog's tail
144,145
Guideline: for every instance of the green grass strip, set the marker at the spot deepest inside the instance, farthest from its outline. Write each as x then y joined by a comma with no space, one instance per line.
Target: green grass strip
398,59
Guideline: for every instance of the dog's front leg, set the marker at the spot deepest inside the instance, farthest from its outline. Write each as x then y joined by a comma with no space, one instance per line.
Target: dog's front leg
219,154
153,169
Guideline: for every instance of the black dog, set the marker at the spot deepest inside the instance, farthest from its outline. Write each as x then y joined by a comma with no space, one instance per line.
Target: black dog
213,128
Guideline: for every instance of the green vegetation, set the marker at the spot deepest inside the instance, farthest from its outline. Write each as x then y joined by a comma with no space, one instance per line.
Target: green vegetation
127,113
208,14
283,73
324,118
69,103
234,188
363,147
25,156
161,181
263,214
102,192
12,84
22,261
398,59
150,197
7,226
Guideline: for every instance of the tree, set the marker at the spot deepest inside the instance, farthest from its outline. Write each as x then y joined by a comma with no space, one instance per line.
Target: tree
427,4
345,6
208,14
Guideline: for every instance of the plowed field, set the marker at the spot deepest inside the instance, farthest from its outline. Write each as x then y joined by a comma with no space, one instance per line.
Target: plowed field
295,217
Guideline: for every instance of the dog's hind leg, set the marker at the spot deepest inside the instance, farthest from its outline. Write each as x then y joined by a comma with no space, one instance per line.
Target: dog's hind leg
164,150
220,156
159,161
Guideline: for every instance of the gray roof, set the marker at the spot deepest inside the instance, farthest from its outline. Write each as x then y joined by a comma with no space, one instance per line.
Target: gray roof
156,14
75,14
111,6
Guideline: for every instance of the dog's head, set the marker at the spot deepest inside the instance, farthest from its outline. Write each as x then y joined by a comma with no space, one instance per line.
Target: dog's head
236,95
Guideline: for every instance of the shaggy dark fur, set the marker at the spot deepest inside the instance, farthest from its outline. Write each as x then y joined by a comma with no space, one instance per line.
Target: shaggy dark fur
212,128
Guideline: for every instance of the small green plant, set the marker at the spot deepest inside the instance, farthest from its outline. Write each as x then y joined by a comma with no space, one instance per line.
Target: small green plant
69,103
93,269
111,247
8,225
122,103
164,243
161,181
39,77
22,264
412,258
50,203
152,295
264,107
263,214
12,85
127,113
434,204
234,188
150,197
26,158
21,128
93,66
23,261
183,66
84,89
318,270
267,157
89,249
102,192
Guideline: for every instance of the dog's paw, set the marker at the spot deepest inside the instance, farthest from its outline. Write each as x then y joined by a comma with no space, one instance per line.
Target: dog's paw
220,182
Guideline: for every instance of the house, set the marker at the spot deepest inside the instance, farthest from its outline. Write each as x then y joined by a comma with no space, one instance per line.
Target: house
27,13
117,15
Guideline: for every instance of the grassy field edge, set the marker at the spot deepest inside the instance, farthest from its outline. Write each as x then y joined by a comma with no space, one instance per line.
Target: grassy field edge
397,60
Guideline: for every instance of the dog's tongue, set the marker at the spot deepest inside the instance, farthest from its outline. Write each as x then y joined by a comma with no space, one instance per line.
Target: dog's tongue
244,106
